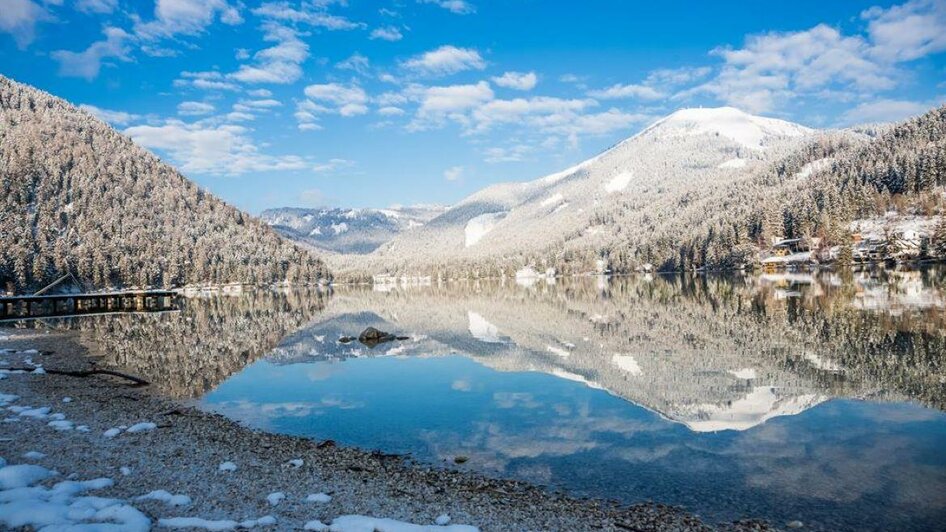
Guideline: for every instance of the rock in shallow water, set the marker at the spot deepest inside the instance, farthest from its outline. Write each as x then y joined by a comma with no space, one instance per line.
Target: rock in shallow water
372,337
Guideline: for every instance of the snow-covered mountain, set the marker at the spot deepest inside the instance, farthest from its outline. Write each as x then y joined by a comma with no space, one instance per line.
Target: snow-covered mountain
353,231
652,177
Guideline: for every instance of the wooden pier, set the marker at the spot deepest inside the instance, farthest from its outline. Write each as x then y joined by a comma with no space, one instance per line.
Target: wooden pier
65,305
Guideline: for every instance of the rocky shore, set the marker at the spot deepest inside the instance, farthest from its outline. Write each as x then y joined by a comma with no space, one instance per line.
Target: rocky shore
96,449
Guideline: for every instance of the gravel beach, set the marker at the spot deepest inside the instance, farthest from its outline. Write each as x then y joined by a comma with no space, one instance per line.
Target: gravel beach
229,476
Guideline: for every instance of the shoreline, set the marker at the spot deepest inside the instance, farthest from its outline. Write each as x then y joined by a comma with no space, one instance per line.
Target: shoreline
170,446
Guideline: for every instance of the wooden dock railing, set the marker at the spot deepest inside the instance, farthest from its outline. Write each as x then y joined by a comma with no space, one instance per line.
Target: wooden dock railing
62,305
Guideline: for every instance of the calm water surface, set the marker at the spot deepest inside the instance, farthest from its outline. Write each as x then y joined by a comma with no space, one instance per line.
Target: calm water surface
816,398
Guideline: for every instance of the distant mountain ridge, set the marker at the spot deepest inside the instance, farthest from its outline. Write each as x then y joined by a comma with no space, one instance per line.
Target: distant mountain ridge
509,225
354,231
77,196
707,188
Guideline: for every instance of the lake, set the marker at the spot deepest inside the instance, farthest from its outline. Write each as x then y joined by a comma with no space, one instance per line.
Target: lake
817,398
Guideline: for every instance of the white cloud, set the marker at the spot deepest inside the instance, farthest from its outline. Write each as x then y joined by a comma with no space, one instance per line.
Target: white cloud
446,60
19,18
386,33
280,63
883,111
511,154
332,165
267,103
204,148
313,14
908,31
460,7
775,67
207,80
96,6
590,124
186,17
337,94
194,108
454,173
675,77
239,116
527,111
86,64
390,110
517,80
119,118
260,93
343,100
475,109
622,91
356,62
453,101
772,69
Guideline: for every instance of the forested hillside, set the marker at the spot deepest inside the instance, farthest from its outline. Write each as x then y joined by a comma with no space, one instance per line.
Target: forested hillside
76,196
815,193
700,189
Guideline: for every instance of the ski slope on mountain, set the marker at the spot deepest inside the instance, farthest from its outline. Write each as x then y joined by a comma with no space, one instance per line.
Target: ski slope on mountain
680,156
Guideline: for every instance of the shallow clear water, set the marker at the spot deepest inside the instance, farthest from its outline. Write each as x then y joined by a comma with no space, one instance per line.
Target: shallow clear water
783,397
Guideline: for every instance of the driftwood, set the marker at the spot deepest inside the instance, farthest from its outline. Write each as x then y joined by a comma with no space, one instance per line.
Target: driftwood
87,373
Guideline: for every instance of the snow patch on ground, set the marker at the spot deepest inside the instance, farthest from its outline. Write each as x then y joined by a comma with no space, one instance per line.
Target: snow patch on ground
275,498
61,507
744,373
141,427
628,364
733,163
557,351
223,524
553,199
22,475
618,182
478,226
814,166
361,523
319,497
227,466
165,497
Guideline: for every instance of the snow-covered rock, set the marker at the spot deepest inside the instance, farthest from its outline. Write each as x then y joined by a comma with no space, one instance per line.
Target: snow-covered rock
319,498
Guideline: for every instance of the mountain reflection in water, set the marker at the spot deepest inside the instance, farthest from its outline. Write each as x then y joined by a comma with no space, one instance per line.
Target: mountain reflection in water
790,396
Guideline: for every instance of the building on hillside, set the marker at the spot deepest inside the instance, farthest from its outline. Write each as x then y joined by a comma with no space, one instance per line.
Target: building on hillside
788,253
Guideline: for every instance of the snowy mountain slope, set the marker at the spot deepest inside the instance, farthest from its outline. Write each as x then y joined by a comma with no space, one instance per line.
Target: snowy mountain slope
682,155
354,231
77,196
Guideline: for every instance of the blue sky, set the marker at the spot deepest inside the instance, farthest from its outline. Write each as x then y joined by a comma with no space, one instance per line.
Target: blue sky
370,104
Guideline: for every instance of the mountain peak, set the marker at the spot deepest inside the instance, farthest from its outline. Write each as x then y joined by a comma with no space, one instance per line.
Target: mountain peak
746,129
